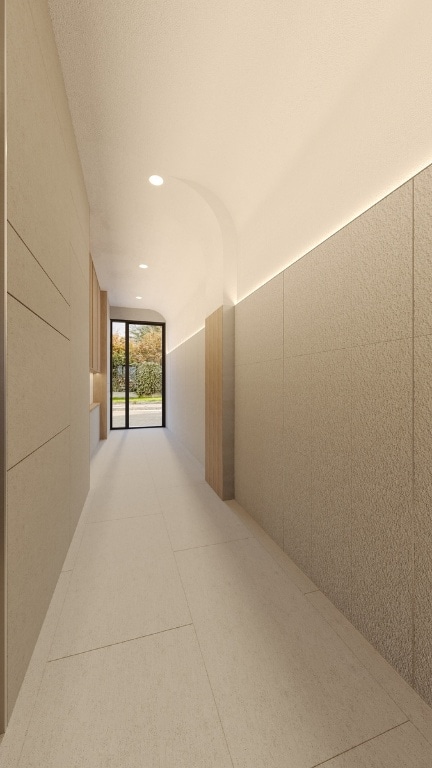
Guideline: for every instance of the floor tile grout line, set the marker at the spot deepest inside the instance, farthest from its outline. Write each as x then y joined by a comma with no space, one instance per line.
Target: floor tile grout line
119,642
204,664
258,539
367,669
168,534
361,743
213,544
59,614
213,696
115,519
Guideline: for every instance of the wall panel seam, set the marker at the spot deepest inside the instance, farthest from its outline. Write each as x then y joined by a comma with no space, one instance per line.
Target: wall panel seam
29,309
84,272
348,347
53,437
38,262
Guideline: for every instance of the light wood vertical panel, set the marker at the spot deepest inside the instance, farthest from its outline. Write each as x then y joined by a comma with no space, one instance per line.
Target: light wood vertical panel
214,397
90,313
94,320
100,379
228,378
219,399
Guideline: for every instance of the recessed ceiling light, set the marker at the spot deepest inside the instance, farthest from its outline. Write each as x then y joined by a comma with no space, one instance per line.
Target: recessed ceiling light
156,180
143,266
138,297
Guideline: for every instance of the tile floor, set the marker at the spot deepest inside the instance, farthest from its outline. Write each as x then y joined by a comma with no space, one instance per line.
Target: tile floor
181,636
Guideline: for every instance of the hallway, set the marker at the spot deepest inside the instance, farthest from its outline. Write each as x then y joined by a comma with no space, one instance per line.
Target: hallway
181,636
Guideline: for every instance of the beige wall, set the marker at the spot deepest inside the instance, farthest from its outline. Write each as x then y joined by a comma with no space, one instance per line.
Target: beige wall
367,131
136,315
48,385
185,412
333,421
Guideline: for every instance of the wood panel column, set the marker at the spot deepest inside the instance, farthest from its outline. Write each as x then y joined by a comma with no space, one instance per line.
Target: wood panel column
100,380
219,401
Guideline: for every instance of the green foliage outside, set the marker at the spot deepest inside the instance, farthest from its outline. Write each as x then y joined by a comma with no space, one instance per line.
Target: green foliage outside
148,379
145,349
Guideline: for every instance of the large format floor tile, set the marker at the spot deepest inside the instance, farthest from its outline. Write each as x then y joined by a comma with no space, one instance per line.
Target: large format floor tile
196,516
296,576
130,498
416,710
143,703
125,585
289,692
270,671
14,737
174,472
402,747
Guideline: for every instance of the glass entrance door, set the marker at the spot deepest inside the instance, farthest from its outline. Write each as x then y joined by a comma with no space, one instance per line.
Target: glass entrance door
137,374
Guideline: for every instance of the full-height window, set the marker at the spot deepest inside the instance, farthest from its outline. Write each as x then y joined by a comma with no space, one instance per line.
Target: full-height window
137,374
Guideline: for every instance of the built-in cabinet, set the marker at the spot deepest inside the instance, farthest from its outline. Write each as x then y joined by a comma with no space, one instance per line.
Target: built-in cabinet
98,321
95,321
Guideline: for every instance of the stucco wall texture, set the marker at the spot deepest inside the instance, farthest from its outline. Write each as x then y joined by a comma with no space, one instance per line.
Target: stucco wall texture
333,421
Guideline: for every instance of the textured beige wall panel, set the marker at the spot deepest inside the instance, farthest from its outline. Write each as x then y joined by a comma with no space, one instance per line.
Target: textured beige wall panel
38,539
297,308
259,324
355,287
297,413
329,299
38,193
79,393
423,516
259,443
347,448
423,252
28,283
380,248
297,467
382,499
331,475
38,382
259,406
297,507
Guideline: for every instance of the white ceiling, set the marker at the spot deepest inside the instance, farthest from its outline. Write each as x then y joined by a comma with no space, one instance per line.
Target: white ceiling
223,94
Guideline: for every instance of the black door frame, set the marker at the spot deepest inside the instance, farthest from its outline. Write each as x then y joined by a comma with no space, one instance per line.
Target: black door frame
127,324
